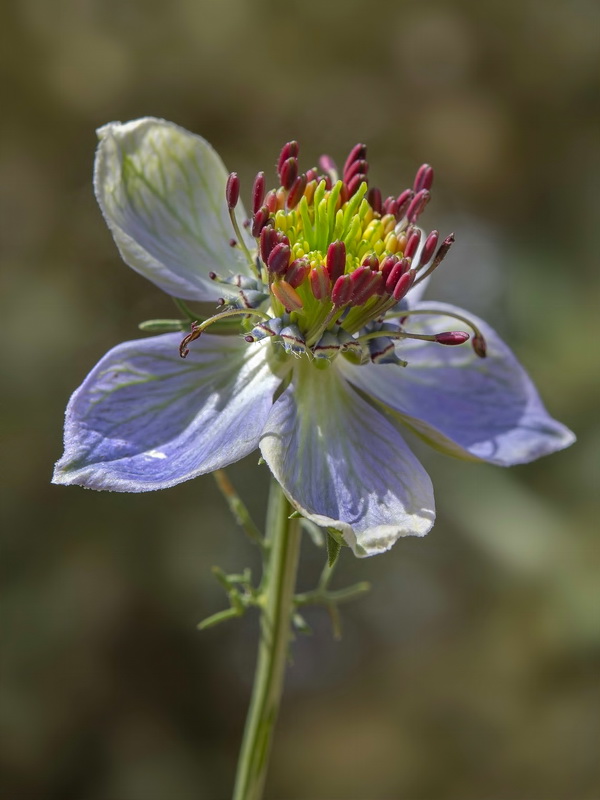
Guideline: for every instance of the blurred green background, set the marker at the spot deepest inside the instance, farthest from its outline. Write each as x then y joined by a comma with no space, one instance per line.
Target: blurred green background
471,670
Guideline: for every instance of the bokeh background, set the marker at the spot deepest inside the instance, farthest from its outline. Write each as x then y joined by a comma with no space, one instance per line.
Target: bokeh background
471,670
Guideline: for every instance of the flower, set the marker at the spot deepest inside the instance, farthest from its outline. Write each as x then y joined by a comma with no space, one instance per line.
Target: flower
338,354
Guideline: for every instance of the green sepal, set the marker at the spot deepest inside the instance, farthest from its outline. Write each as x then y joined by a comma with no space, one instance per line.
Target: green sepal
333,548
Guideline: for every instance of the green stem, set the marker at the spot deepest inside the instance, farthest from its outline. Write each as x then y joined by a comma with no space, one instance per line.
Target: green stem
283,539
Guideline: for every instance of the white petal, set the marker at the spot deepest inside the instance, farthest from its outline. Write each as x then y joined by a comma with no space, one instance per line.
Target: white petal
162,192
343,464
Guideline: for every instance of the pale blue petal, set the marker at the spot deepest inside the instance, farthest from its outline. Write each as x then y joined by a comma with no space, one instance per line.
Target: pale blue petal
146,419
162,192
343,464
484,409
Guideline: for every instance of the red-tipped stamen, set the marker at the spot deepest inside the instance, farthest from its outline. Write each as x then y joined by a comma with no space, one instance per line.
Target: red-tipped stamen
260,220
279,259
320,283
452,337
287,295
232,190
342,291
296,192
412,243
289,150
288,172
358,152
336,260
258,192
374,199
297,272
423,178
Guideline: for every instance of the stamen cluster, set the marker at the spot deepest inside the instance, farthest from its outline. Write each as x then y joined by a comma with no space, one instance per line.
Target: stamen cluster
333,261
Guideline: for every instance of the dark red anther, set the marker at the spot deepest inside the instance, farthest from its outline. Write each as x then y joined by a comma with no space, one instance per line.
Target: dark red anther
403,201
258,192
289,150
279,259
320,284
212,276
354,169
423,178
259,221
297,272
336,260
342,291
429,247
232,190
372,262
358,152
355,182
399,269
288,172
387,266
233,243
360,277
416,205
268,240
479,345
374,286
365,284
412,244
374,198
403,285
452,337
311,175
296,192
271,201
387,203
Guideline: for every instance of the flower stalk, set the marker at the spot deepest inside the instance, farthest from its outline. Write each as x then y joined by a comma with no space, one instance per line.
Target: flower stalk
277,606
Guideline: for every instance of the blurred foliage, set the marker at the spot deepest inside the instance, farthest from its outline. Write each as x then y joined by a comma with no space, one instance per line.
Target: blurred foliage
472,668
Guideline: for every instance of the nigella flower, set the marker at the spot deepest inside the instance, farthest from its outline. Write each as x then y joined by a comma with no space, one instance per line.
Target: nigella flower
336,355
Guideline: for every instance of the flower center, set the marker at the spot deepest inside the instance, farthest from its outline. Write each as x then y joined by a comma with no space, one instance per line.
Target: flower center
332,260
